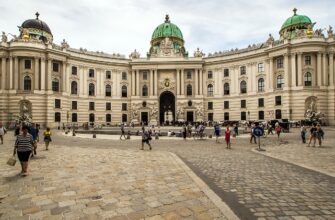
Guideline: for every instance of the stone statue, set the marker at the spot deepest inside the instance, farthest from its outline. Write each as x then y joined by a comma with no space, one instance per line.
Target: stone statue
330,32
134,113
200,111
198,53
270,39
180,113
4,37
154,112
135,55
64,44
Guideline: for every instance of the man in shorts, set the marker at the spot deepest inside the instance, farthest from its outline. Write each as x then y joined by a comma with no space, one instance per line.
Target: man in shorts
123,132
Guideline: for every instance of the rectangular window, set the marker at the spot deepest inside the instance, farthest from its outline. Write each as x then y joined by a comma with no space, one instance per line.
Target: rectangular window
210,75
55,67
189,75
57,103
243,70
74,105
57,117
124,76
226,104
261,115
243,116
210,116
108,106
308,60
261,102
226,116
243,103
124,106
226,72
74,117
280,63
74,70
210,105
108,74
261,67
91,73
278,100
91,106
27,64
145,75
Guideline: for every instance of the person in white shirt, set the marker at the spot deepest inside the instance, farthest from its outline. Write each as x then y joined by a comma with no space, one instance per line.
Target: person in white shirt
2,132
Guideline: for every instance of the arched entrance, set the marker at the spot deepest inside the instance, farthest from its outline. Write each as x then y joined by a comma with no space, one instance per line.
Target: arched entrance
166,107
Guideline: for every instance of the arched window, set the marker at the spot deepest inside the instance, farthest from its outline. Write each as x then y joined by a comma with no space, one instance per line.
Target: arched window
261,85
27,83
55,85
226,89
243,87
124,91
91,89
210,90
74,88
189,90
108,90
145,90
280,82
308,79
91,117
108,118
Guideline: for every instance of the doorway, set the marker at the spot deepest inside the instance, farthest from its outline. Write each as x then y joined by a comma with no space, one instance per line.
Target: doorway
167,108
189,116
144,118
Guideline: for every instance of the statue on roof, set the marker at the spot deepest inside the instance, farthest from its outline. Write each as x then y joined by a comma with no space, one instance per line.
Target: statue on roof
135,55
65,44
330,31
198,53
4,37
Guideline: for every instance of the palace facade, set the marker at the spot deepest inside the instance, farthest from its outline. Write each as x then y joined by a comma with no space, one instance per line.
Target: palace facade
278,79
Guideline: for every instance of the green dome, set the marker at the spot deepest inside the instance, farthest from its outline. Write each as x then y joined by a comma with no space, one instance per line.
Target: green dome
296,20
167,29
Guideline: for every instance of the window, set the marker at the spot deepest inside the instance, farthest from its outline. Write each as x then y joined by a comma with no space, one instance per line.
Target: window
226,89
91,106
145,90
57,103
108,74
124,91
124,76
308,79
108,90
108,118
74,105
27,83
74,70
226,104
261,102
145,75
57,117
243,70
243,87
226,72
261,67
278,114
280,82
189,90
91,89
278,100
74,117
226,116
124,106
91,117
210,116
108,106
188,75
261,115
210,90
210,75
243,116
27,64
210,105
55,67
124,118
91,73
261,85
243,103
308,60
55,85
280,63
74,88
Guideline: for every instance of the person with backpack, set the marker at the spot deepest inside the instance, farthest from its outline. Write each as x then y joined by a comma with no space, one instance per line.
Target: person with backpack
146,138
3,131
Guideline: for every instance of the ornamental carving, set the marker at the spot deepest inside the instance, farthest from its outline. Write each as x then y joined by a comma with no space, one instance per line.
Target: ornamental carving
167,84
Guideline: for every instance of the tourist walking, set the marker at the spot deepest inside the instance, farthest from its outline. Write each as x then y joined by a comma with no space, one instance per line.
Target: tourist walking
23,148
17,130
227,137
146,138
278,130
319,134
47,138
303,133
236,130
184,132
123,132
217,132
189,130
33,133
313,133
252,136
3,131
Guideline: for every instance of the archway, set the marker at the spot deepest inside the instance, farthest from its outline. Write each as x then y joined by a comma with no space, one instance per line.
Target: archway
167,107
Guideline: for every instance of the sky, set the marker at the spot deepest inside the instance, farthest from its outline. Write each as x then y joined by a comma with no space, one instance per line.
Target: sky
120,26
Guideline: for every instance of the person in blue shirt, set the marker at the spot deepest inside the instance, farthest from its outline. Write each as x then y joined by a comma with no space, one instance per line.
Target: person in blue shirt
217,131
34,132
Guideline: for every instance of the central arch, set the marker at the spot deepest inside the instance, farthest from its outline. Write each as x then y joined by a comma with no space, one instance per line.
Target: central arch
167,107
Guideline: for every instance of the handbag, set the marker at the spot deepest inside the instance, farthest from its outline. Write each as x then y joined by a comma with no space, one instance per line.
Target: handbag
11,161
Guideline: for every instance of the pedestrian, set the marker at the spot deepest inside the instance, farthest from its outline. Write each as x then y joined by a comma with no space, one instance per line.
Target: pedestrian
17,130
319,134
184,131
236,130
3,131
252,135
189,130
278,130
23,148
146,138
47,138
227,137
37,132
303,134
33,133
217,132
313,134
123,132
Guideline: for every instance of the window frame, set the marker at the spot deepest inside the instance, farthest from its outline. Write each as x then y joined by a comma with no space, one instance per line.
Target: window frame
27,64
243,88
260,102
74,105
278,100
280,62
189,74
243,103
225,104
108,106
72,88
210,105
210,90
308,79
108,93
27,83
55,85
280,81
124,91
55,67
145,91
124,76
210,74
124,107
58,103
243,70
261,85
225,91
91,73
189,90
308,61
226,72
74,70
91,106
91,89
108,74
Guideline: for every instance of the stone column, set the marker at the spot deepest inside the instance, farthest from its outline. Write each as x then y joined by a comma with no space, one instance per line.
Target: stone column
299,69
196,82
325,70
254,71
319,69
271,80
137,83
201,81
151,88
42,73
68,83
81,82
3,73
133,82
156,82
331,69
49,76
99,85
37,74
178,81
249,81
85,91
287,71
182,82
11,73
16,73
293,71
64,76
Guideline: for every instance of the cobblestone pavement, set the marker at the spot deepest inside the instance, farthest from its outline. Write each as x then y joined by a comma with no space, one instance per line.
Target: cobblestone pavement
70,182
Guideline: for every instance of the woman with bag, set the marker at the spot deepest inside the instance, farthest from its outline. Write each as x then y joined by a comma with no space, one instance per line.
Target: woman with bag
47,138
23,148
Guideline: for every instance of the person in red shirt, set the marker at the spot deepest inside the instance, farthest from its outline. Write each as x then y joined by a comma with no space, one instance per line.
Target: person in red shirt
227,137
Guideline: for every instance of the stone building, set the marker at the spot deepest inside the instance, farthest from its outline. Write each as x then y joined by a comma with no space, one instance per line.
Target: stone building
278,79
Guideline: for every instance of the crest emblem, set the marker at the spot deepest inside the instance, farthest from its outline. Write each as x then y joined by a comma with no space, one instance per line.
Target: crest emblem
166,82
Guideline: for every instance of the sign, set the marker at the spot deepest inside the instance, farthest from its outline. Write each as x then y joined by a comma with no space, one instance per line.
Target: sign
258,131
